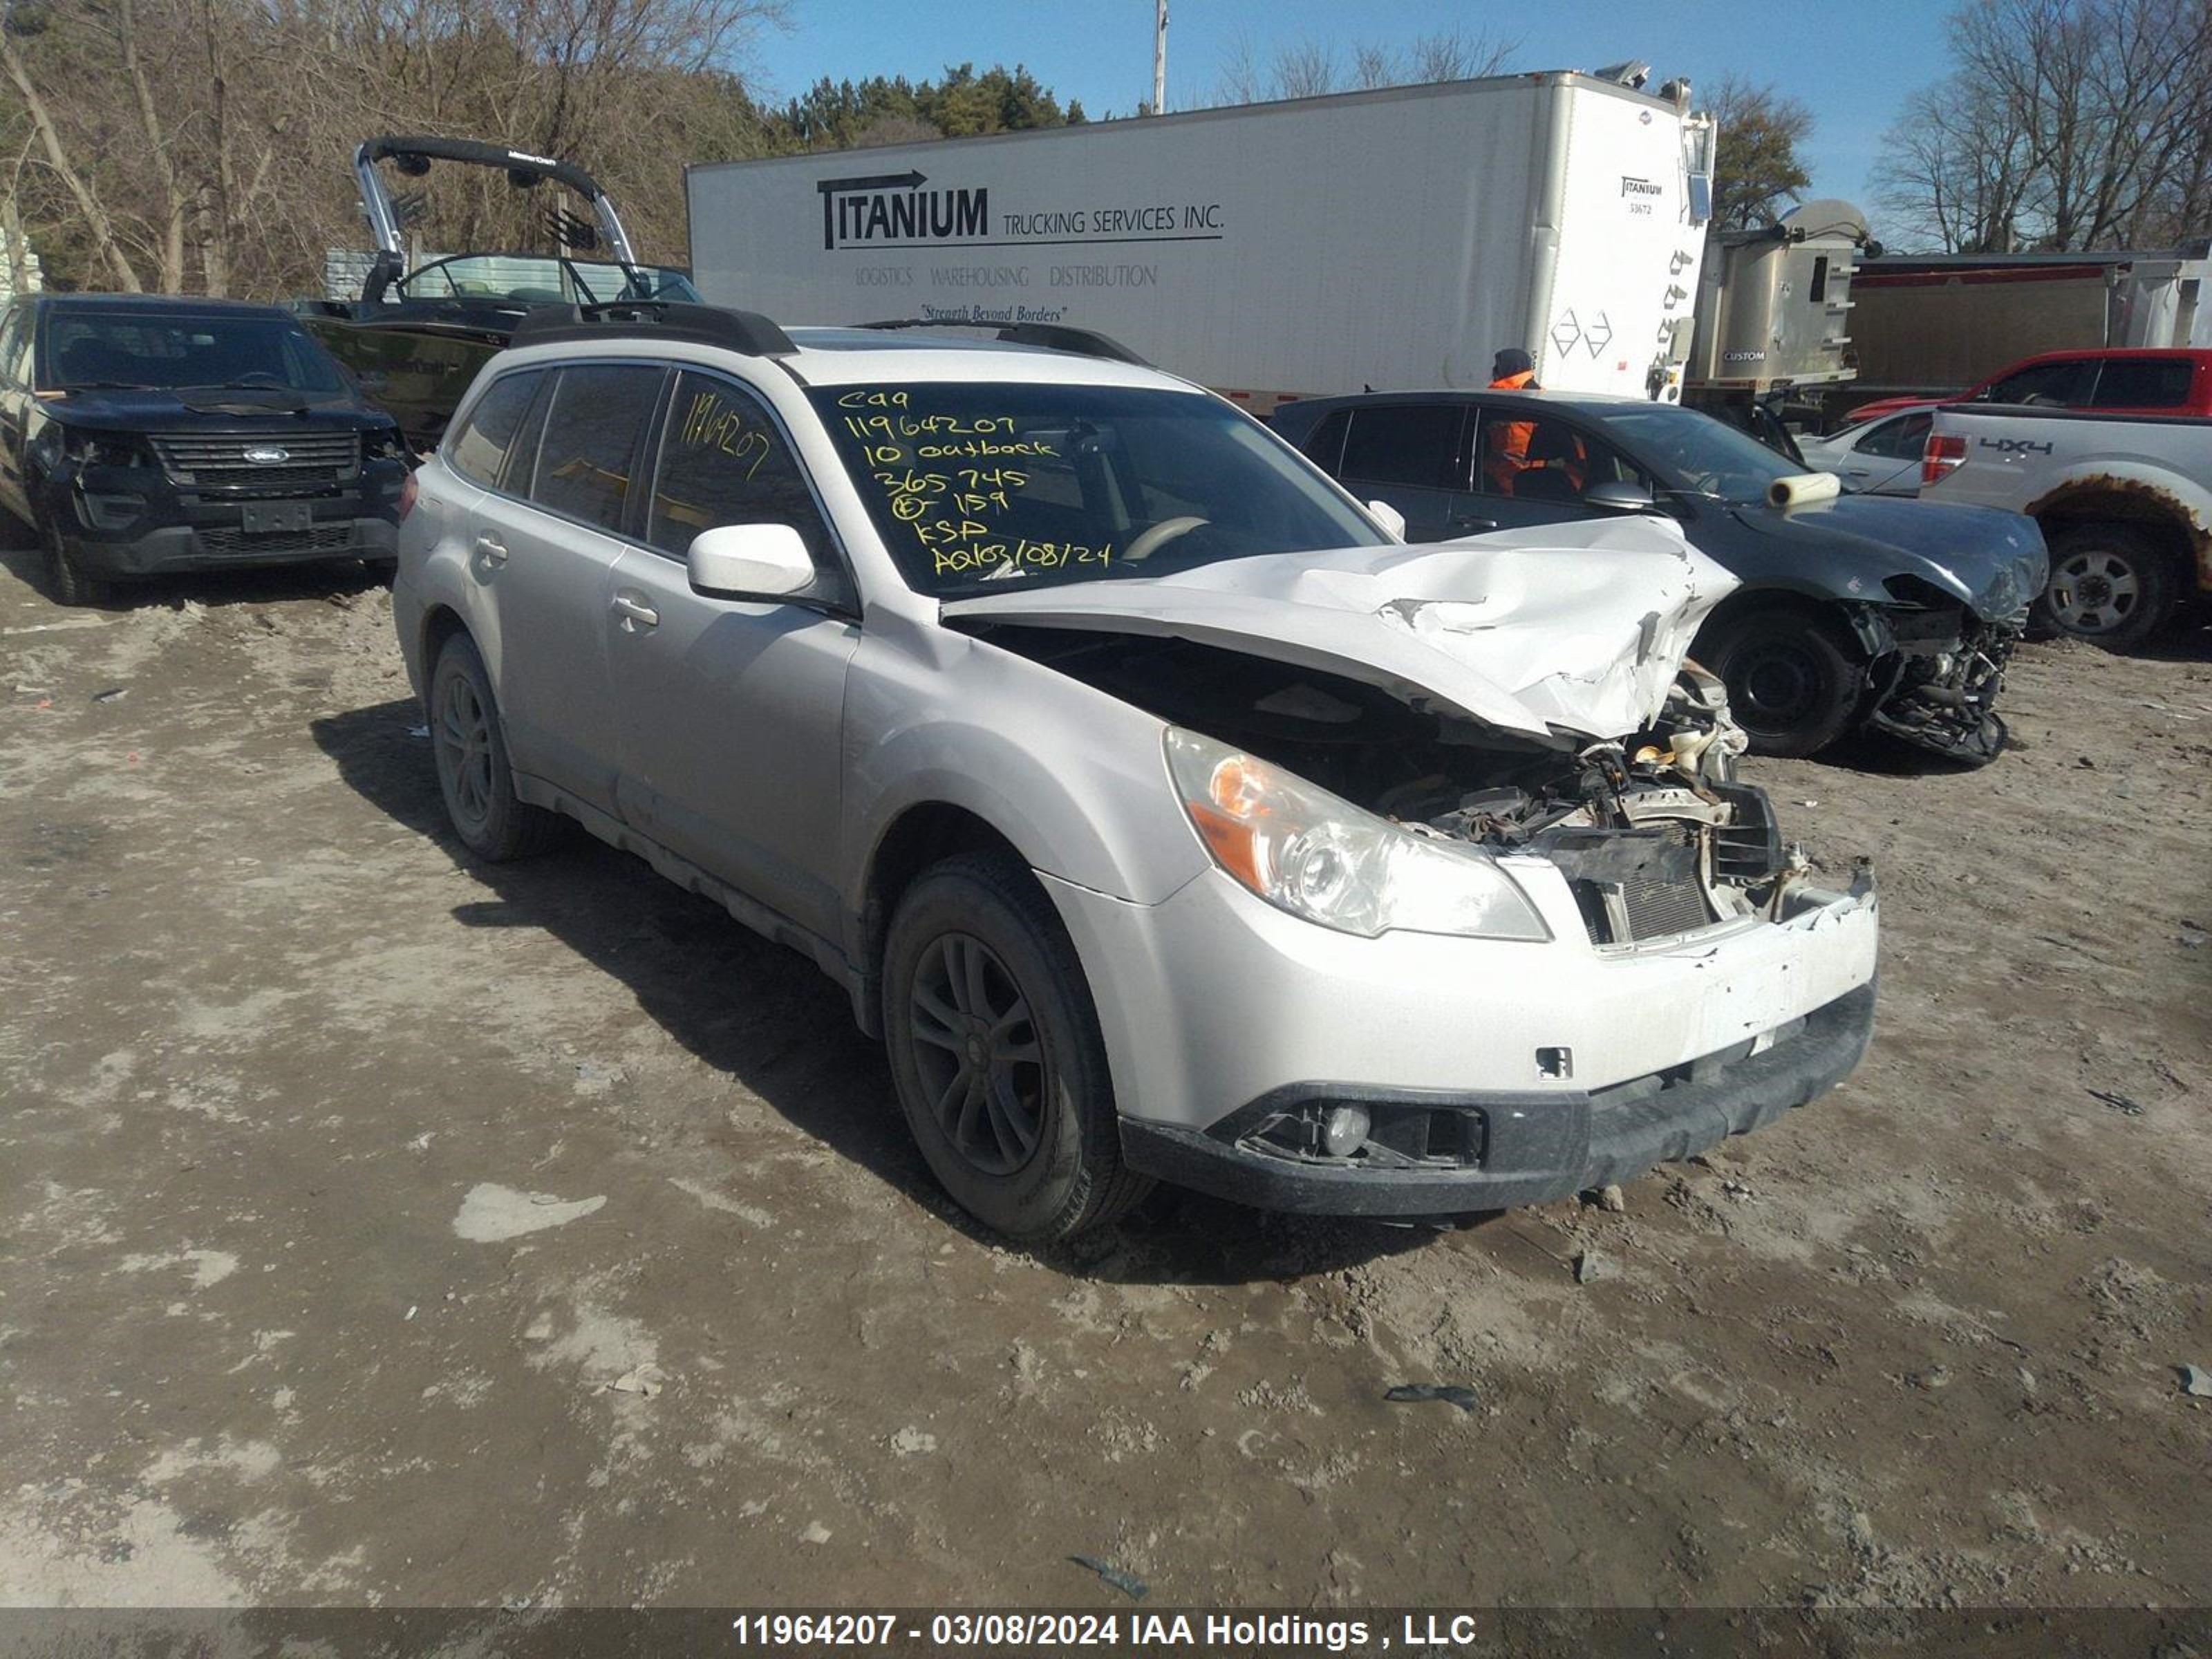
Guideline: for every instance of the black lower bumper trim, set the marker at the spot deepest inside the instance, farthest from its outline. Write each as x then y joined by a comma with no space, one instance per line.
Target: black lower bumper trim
1538,1147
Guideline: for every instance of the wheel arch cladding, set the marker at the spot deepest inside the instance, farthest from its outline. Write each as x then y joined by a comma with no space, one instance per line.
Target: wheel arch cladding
2108,498
923,834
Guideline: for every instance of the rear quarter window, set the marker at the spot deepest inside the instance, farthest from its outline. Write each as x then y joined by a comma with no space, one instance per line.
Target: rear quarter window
479,449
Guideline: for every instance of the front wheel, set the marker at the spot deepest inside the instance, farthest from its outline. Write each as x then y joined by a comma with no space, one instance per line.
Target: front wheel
474,776
2109,583
996,1055
65,578
1793,678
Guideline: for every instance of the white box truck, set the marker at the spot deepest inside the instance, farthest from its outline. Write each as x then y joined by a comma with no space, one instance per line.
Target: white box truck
1391,238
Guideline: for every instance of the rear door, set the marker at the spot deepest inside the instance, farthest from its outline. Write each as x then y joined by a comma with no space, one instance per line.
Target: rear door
1412,455
731,710
544,554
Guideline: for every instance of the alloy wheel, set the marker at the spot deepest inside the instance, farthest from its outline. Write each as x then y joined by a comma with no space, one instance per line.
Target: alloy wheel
978,1054
463,737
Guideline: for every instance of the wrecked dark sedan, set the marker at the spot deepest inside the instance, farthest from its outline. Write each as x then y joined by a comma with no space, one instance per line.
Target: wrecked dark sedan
1854,612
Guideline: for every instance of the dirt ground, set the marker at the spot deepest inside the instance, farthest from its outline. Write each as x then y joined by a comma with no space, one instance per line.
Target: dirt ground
378,1229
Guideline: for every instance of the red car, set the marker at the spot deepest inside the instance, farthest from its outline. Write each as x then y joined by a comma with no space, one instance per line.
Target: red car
2142,380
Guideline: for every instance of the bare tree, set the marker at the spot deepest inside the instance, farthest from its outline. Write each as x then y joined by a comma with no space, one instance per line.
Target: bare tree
204,143
2069,124
1309,68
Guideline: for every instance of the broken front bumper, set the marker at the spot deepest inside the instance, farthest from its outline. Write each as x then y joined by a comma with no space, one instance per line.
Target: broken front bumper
1494,1073
1491,1152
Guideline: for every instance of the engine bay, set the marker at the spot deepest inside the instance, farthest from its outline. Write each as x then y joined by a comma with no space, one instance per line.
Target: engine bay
1652,830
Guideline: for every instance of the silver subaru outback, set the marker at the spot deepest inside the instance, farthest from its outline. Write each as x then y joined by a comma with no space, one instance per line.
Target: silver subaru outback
1164,813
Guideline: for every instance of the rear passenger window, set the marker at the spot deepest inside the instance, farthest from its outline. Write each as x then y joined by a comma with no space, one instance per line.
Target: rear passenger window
2144,382
724,461
593,432
478,451
1405,444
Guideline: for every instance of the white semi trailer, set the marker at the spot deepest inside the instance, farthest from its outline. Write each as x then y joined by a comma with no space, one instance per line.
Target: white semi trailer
1391,238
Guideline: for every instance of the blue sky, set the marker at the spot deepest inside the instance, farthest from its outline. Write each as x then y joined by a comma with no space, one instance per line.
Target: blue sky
1852,64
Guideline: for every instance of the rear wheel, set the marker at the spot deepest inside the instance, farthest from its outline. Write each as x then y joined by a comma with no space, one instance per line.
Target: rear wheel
995,1051
474,776
65,578
2110,583
1793,678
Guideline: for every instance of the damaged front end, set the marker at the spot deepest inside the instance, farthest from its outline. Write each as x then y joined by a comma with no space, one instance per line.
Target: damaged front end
1653,832
1938,670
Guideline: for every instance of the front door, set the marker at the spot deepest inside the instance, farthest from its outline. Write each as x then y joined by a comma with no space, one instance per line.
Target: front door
1538,476
731,710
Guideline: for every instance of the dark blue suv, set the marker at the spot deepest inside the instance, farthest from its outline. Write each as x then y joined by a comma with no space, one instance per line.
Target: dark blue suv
141,435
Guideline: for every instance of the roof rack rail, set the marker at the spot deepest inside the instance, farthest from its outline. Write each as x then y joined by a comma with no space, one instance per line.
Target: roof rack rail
1049,337
747,332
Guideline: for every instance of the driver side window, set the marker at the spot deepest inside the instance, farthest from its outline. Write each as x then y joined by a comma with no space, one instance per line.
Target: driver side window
1543,459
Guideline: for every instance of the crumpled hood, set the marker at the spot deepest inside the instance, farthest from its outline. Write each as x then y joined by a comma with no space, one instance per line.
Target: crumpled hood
1577,629
1991,560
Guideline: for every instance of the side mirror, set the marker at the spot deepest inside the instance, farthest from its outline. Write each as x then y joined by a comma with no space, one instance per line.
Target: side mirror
1618,496
1389,518
750,562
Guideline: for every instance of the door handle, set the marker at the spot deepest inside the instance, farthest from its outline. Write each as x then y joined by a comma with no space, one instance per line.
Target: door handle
1470,522
490,549
634,615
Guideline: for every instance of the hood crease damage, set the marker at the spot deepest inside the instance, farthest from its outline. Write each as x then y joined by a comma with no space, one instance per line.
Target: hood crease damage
1515,634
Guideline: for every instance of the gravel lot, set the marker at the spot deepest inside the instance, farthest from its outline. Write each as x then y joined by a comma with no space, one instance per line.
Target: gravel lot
379,1229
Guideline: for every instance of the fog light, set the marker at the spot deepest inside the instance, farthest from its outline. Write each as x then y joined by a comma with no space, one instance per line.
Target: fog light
1344,1130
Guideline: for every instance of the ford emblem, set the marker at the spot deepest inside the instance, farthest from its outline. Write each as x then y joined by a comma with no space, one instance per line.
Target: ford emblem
267,455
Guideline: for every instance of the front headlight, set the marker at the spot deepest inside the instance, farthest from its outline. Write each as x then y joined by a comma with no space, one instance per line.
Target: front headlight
384,443
1305,851
89,447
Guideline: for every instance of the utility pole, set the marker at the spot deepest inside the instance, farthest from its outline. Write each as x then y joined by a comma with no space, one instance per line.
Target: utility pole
1160,57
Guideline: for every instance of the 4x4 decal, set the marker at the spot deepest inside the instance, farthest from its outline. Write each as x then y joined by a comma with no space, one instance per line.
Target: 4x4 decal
2014,446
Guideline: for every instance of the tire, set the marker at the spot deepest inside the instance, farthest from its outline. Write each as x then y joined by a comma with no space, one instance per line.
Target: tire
1794,677
2110,583
65,578
1020,1129
474,774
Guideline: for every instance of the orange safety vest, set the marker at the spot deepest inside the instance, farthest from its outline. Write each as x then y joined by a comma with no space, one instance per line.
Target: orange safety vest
1509,452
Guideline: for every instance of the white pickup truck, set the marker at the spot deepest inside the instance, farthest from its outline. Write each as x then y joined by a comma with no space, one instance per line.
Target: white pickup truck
2124,502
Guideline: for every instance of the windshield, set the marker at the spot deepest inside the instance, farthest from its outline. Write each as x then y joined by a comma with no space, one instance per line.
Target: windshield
87,348
1698,455
978,486
535,279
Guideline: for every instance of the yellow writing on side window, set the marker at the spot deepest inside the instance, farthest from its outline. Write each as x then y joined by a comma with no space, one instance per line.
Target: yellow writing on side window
712,423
